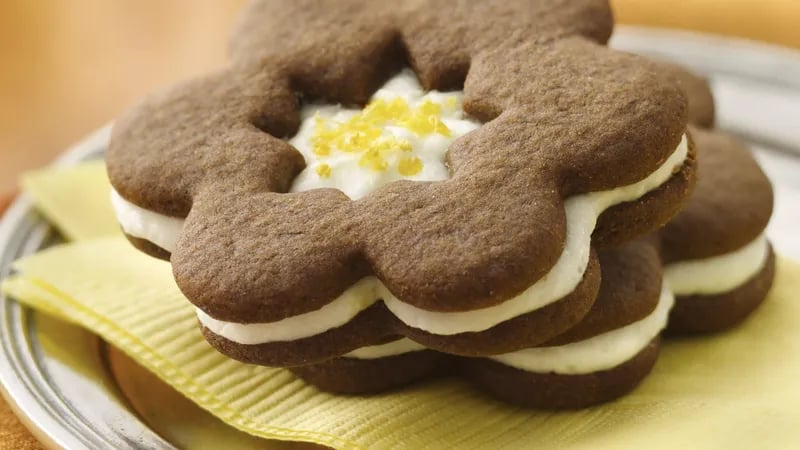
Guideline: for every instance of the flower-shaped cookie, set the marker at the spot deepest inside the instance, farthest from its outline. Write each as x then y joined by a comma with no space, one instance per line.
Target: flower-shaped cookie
494,257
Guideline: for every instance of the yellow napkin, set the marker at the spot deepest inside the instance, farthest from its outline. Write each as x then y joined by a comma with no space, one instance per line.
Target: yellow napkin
735,390
75,199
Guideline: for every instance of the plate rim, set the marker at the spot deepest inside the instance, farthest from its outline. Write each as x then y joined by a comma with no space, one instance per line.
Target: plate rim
30,398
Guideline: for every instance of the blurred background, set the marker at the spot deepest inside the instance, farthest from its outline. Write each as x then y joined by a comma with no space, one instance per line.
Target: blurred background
68,67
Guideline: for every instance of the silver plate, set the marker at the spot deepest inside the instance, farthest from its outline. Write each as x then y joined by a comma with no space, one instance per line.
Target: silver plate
66,405
78,405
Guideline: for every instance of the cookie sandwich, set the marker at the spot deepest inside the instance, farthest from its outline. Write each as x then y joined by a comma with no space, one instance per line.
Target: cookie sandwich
603,357
315,197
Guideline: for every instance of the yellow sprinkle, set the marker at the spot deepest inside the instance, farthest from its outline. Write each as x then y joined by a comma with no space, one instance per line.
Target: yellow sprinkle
324,170
379,112
372,159
409,165
355,123
422,125
353,142
451,102
376,110
439,126
430,108
416,124
382,145
398,108
321,149
363,133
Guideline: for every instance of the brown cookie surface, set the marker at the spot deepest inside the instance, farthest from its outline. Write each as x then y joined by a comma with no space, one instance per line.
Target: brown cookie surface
376,324
537,74
729,209
557,391
630,290
371,326
373,376
526,330
617,224
148,247
731,204
697,90
508,384
505,383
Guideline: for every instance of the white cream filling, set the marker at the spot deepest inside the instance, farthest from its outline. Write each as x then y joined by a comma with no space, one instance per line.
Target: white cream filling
718,274
136,221
334,314
356,181
397,347
601,352
582,212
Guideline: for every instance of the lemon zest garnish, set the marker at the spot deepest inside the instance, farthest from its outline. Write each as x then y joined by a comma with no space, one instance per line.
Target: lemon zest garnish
429,108
409,166
372,159
404,145
439,126
324,170
321,149
363,133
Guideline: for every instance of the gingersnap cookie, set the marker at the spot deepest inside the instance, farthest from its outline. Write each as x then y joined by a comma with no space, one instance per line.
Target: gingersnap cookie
606,355
697,90
437,169
613,224
719,262
377,369
376,323
717,258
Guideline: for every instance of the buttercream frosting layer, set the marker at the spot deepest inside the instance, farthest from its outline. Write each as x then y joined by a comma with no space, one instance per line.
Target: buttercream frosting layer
718,274
601,352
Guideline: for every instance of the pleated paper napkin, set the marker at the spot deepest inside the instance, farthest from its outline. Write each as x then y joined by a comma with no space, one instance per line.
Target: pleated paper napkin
739,389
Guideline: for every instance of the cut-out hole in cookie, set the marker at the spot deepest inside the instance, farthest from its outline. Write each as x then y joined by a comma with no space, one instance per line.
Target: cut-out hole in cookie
401,134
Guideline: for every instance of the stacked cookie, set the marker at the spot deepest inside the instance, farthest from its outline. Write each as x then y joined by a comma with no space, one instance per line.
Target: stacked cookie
715,261
488,213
